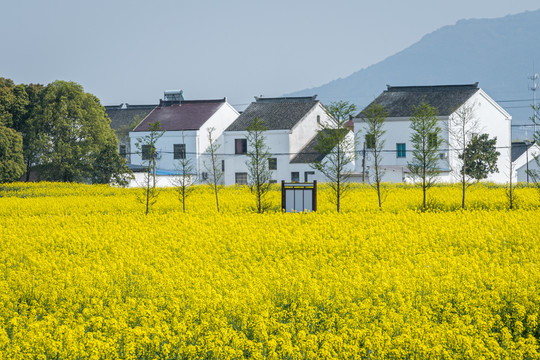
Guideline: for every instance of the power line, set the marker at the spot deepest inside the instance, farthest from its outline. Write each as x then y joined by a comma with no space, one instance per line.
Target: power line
368,151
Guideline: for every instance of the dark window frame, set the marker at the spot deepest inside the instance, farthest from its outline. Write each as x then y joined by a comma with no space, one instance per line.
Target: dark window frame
401,151
179,151
370,141
432,139
145,152
237,175
240,146
272,163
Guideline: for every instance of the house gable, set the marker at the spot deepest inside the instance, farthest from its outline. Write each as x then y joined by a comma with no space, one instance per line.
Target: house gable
277,113
124,114
188,115
399,101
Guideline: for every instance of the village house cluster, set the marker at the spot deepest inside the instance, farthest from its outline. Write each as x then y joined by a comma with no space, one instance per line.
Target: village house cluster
293,128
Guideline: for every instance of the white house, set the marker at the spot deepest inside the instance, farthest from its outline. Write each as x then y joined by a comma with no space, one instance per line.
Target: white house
123,116
292,125
399,102
186,124
523,158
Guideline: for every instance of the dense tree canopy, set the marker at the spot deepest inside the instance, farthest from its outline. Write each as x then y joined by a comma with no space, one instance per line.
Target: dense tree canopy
481,157
65,131
11,155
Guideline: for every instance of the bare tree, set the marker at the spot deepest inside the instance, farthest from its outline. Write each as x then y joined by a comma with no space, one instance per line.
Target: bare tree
510,190
146,146
534,174
211,164
258,156
339,148
426,140
462,125
374,116
187,177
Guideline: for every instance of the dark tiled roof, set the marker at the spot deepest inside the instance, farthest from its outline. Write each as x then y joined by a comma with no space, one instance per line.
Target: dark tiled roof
124,114
189,115
518,148
277,113
309,153
399,100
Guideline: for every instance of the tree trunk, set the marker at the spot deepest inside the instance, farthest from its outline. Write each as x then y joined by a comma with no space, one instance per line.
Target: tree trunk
424,193
464,184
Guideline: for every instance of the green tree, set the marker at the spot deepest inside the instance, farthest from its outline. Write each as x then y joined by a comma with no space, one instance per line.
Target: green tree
11,155
426,140
122,133
146,146
15,110
75,130
258,155
462,126
109,168
338,147
480,157
215,175
534,174
374,117
186,179
31,127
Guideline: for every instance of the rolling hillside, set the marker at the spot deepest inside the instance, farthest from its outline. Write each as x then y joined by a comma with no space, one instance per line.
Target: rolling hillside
498,53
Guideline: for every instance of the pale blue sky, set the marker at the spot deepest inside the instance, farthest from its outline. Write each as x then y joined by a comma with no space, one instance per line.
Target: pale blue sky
130,51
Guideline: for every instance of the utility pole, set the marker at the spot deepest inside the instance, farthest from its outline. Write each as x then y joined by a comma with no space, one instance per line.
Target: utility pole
364,164
533,88
527,158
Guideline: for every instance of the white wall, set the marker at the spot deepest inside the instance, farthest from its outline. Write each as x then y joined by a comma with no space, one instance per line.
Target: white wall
521,167
492,120
278,143
221,120
397,131
165,147
284,146
306,129
496,122
196,141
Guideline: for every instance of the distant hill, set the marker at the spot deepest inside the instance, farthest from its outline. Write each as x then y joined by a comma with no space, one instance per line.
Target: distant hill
498,53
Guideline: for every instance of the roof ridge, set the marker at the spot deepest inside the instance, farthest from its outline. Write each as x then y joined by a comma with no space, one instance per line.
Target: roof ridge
434,87
204,101
260,99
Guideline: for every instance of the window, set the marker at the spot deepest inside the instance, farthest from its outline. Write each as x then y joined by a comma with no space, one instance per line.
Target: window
145,152
432,140
123,151
240,146
319,119
273,181
308,174
222,165
370,141
295,176
240,178
272,164
179,151
401,150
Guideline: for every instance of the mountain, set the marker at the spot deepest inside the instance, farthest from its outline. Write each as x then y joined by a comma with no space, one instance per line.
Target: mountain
498,53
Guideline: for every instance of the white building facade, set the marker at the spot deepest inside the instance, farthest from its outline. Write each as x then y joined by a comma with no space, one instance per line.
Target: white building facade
292,124
185,124
400,101
524,159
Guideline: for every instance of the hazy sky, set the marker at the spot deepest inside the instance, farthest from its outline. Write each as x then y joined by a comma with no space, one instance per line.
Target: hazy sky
130,51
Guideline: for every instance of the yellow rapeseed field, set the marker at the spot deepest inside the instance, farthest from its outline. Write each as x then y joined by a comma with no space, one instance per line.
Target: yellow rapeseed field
84,274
